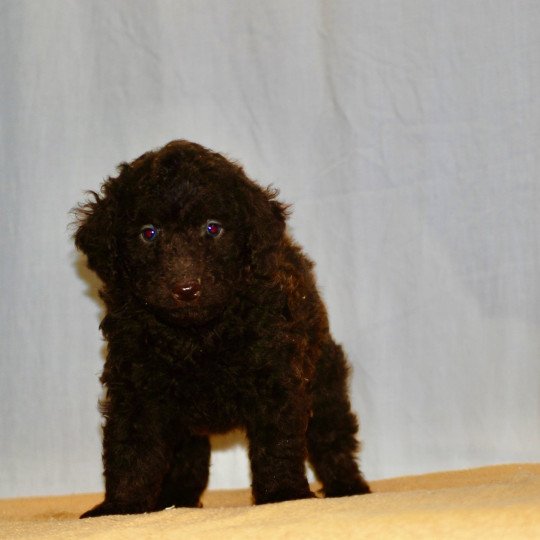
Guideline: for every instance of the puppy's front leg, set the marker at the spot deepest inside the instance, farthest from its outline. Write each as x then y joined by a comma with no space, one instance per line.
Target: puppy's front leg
135,460
277,448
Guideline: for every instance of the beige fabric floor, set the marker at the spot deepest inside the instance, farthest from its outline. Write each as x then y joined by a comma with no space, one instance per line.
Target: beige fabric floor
490,502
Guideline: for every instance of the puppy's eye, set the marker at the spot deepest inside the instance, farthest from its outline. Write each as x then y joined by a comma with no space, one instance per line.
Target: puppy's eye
214,229
148,233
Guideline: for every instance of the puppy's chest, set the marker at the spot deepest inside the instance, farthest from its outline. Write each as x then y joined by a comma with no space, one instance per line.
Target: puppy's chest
204,391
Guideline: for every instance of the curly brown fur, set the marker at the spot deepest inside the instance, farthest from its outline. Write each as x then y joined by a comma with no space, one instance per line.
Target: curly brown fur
213,323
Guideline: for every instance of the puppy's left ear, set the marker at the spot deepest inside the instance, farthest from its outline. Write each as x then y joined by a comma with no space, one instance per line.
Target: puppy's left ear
266,219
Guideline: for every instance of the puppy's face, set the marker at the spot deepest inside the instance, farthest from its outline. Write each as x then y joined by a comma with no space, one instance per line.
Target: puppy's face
178,230
183,251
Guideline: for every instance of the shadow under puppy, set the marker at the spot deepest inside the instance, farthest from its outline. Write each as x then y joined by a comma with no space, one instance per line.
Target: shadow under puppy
213,323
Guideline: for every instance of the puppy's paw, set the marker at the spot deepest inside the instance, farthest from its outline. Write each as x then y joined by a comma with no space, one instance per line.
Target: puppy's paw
345,489
283,494
110,508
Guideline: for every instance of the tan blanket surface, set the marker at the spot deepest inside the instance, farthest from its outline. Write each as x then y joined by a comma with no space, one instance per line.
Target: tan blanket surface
490,502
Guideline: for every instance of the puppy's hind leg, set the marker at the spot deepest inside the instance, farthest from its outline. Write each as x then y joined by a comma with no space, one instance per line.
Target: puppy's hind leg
188,476
331,434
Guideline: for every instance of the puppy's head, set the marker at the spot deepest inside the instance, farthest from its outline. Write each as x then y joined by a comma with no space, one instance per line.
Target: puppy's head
179,229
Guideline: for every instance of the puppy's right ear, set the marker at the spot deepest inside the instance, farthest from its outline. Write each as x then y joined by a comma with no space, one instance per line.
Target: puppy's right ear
95,235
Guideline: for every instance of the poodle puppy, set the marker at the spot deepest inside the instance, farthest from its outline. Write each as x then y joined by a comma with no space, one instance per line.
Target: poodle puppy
213,322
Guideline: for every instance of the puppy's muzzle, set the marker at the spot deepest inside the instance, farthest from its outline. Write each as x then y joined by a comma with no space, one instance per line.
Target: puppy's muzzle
187,291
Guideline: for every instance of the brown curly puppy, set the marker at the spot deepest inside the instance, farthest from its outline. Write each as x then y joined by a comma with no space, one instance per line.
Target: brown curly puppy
213,323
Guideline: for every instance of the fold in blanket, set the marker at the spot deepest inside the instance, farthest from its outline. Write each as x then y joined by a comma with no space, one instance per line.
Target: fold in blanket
490,502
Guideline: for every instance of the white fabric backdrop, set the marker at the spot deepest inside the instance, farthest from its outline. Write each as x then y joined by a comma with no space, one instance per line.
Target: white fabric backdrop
407,135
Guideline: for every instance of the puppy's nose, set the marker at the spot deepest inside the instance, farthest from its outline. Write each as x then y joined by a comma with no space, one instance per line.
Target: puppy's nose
187,291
